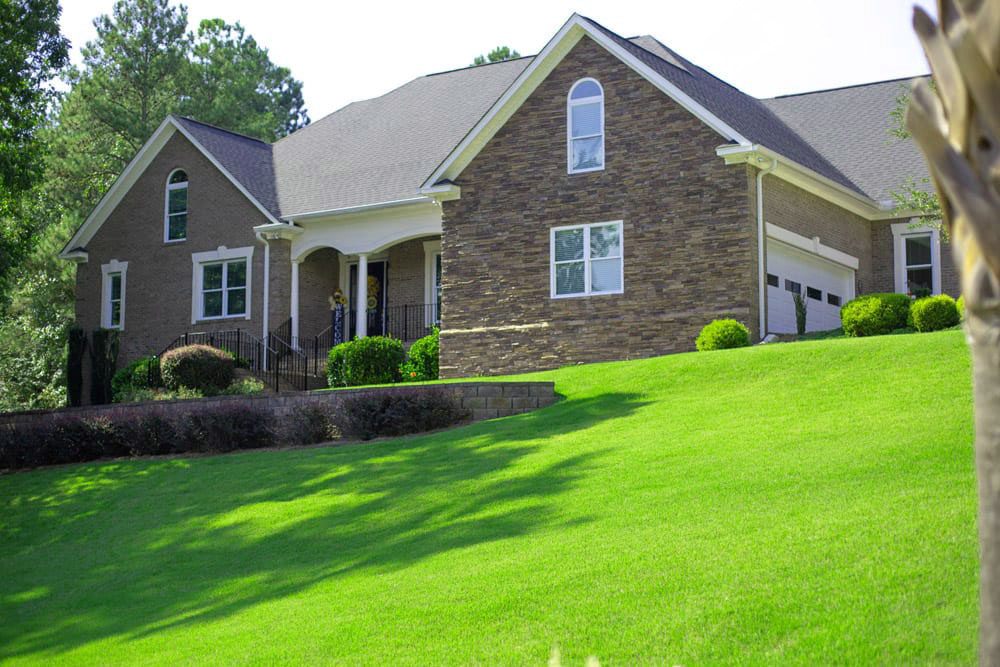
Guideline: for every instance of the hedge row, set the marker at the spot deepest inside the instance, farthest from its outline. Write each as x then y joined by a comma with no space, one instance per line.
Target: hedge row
222,429
879,314
382,360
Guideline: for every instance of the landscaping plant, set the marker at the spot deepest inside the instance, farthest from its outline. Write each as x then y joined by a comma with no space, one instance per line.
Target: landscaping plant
103,357
371,360
934,313
367,416
875,314
800,313
201,367
422,359
722,335
143,373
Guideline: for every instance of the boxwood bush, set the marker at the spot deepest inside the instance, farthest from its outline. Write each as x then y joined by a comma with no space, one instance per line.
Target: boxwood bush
200,367
960,307
371,360
875,314
422,360
722,335
934,313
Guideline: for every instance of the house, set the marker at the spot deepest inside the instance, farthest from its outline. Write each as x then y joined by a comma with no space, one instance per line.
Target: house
601,200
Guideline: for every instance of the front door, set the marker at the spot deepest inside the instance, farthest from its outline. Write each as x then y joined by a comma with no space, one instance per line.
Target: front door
375,307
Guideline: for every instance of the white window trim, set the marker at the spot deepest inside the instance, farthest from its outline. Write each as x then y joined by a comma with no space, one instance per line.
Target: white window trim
586,259
221,254
915,227
166,207
107,270
570,103
432,250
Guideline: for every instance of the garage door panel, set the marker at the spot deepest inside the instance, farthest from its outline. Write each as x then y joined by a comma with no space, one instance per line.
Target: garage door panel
823,284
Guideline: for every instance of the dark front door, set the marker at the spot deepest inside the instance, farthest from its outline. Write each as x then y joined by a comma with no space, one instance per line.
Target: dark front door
375,307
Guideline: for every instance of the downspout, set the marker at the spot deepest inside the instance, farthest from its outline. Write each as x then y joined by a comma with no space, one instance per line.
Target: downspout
761,268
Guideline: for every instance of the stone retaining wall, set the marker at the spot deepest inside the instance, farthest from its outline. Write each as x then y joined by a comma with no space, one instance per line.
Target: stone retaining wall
485,400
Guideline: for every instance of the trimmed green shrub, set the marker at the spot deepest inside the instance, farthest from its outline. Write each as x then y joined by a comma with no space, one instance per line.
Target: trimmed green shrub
422,360
143,373
201,367
934,313
960,307
722,335
367,416
74,366
875,314
225,429
243,387
371,360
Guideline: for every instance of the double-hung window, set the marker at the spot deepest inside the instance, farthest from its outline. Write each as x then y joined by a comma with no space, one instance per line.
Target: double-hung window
587,259
221,283
175,223
113,294
917,258
224,289
585,127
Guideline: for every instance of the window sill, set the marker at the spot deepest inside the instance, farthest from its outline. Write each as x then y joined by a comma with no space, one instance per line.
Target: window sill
584,171
582,295
222,317
174,241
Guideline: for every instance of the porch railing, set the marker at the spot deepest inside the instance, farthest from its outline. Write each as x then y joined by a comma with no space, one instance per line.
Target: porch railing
407,322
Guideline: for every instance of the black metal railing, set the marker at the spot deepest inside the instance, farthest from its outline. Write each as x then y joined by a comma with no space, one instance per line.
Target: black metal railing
407,322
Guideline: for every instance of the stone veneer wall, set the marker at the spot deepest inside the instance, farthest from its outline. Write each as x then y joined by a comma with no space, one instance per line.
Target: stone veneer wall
485,400
688,233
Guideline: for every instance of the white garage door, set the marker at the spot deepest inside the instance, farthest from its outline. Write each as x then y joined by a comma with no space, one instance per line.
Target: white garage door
825,285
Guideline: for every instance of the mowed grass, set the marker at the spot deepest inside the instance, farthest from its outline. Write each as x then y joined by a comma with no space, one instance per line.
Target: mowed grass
806,503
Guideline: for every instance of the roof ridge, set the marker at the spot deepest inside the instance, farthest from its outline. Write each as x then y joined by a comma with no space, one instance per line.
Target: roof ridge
222,129
853,85
459,69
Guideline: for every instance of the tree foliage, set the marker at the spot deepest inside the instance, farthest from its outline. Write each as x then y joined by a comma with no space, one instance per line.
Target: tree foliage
913,195
498,54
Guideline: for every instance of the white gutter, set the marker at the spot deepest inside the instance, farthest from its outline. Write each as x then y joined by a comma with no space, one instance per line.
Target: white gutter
761,240
359,209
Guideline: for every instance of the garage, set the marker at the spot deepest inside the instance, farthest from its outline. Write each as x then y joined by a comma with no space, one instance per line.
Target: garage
824,284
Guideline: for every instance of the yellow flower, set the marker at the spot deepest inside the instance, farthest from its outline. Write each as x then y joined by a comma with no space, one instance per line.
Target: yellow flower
413,374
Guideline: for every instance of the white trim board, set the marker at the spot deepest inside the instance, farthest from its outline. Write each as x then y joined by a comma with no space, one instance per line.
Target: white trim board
914,227
220,254
555,50
131,174
107,270
811,245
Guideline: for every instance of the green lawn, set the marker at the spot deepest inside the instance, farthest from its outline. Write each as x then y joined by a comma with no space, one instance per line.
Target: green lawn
805,503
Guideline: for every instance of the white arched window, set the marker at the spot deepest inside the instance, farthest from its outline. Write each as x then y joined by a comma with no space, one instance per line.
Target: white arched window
175,216
585,127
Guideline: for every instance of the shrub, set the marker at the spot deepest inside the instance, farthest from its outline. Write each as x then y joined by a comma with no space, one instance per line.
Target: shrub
875,314
103,357
310,424
398,413
960,307
722,335
200,367
143,373
74,366
800,313
934,313
422,361
244,386
224,429
150,434
371,360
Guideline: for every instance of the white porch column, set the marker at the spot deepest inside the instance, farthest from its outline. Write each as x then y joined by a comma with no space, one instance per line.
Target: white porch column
361,305
295,304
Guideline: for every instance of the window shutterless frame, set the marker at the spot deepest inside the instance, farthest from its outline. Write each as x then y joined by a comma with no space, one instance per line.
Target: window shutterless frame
177,182
113,294
573,137
586,259
221,256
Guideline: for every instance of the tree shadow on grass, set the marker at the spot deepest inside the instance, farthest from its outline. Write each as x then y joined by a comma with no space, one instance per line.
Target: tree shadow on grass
133,548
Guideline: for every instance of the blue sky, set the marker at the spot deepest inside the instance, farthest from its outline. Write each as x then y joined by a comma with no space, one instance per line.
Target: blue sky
347,51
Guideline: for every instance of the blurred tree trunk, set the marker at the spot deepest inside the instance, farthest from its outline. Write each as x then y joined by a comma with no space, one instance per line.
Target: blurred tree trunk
957,126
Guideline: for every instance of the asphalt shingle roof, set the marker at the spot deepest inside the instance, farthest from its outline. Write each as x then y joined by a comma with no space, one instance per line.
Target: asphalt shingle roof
382,149
850,127
248,160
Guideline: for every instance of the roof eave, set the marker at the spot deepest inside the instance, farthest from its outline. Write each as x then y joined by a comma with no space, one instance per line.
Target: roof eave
361,208
548,58
809,180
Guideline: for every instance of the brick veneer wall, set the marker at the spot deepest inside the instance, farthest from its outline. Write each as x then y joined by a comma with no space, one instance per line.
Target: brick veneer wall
688,236
319,275
792,208
158,279
485,400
